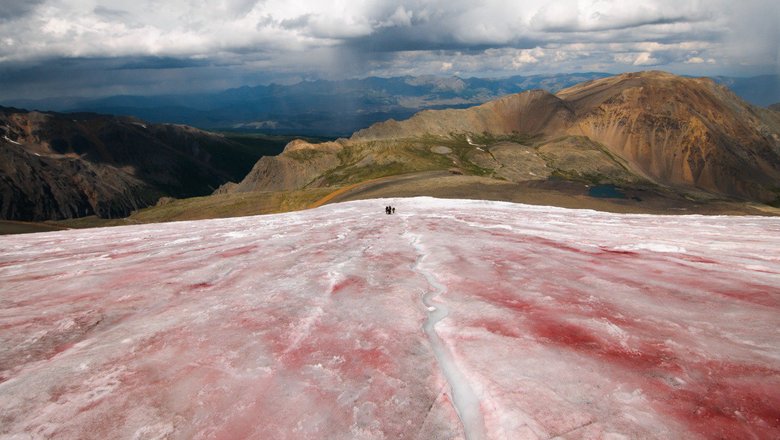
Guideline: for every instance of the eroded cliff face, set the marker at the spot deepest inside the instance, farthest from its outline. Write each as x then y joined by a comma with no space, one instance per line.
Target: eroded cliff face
682,132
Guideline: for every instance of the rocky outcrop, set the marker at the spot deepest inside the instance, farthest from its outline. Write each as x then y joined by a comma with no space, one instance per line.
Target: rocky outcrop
299,164
55,166
225,188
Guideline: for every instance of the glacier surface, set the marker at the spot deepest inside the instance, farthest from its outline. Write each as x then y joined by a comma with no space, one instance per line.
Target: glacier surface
449,319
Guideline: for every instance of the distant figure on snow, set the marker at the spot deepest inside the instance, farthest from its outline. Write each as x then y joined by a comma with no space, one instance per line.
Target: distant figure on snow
393,210
387,210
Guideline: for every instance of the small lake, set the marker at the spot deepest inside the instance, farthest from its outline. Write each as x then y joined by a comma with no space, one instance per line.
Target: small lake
606,192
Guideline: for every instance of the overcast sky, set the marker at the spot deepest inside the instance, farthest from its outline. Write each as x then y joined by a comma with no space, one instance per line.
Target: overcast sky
98,47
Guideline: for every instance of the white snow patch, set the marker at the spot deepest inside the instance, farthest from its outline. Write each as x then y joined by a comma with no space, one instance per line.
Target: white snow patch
12,141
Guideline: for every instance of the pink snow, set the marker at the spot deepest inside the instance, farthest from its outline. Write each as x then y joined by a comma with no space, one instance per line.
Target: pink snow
541,323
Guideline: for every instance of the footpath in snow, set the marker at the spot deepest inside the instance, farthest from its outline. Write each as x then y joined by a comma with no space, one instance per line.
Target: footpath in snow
449,319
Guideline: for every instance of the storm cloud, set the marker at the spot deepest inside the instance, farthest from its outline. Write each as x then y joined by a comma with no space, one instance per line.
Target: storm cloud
180,44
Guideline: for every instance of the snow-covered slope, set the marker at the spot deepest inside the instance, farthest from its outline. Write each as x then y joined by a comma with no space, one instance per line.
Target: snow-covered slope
342,322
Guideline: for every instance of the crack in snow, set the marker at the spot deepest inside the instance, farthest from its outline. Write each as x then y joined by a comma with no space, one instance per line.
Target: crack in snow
576,428
464,399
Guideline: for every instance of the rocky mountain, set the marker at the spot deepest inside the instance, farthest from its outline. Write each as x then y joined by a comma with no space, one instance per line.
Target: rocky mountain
682,131
648,129
55,166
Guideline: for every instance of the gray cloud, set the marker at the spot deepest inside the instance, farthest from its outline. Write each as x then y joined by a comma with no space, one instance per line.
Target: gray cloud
16,9
110,14
300,22
239,38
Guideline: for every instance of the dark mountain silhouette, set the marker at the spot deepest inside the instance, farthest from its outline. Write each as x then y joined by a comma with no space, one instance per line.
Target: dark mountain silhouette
55,166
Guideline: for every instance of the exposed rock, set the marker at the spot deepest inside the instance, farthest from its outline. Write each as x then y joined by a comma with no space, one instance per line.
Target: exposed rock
165,201
226,188
440,149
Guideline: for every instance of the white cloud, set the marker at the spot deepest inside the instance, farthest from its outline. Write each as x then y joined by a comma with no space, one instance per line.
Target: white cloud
527,57
646,59
637,59
695,60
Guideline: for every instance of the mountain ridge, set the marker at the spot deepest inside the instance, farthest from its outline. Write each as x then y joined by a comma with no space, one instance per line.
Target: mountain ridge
684,133
341,107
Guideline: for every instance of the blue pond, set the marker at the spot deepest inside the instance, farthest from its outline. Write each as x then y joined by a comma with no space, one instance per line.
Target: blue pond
606,192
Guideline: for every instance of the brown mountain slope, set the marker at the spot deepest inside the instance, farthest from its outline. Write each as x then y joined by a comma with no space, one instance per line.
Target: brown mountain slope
41,187
648,128
535,112
55,166
300,165
682,132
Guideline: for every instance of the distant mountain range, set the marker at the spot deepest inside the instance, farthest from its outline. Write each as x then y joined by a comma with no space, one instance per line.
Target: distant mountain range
338,108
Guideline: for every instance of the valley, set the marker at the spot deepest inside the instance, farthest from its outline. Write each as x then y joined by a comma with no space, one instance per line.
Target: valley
660,143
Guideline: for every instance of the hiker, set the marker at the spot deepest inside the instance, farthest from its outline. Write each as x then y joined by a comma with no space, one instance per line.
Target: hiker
393,210
387,210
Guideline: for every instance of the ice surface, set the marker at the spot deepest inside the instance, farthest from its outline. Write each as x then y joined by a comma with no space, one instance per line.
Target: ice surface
343,322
